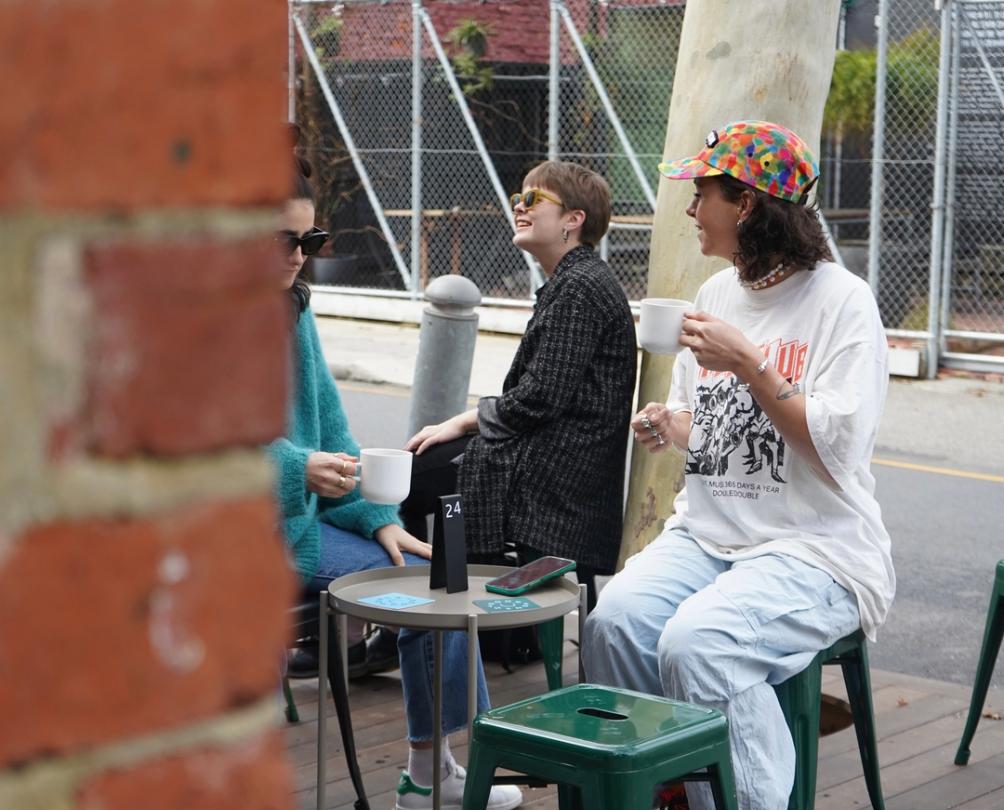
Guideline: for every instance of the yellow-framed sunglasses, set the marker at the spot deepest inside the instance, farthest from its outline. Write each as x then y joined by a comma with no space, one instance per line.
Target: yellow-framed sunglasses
531,197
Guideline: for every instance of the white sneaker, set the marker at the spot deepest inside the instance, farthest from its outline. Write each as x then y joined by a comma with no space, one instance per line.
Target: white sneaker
415,797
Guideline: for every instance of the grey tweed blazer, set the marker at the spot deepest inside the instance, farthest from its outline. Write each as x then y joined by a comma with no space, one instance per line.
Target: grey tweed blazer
547,468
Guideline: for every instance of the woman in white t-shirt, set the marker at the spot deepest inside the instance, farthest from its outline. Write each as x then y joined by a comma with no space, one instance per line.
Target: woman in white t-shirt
776,549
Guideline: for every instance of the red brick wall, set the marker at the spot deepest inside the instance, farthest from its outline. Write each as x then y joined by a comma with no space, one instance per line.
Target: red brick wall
143,354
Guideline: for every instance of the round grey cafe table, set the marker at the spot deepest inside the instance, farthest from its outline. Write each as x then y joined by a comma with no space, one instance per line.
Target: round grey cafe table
447,611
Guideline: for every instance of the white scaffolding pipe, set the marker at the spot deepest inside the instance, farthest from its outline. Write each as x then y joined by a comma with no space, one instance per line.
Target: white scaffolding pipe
350,145
991,73
554,87
601,91
536,279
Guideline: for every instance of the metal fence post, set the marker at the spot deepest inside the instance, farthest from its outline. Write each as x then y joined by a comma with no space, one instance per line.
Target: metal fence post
554,86
416,145
947,261
878,148
938,195
445,351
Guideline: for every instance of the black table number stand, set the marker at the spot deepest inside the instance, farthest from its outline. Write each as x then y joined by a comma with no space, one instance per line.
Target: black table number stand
449,549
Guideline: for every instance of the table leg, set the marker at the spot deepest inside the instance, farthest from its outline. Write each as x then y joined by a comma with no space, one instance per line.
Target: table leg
583,607
343,643
472,674
322,682
437,717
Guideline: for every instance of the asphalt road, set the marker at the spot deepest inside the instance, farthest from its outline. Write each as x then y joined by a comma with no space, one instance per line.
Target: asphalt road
947,524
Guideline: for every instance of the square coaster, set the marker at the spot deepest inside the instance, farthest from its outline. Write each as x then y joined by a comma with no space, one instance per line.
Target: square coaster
505,604
395,601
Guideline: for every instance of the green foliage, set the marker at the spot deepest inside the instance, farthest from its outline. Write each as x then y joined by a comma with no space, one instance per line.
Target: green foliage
469,39
911,88
325,33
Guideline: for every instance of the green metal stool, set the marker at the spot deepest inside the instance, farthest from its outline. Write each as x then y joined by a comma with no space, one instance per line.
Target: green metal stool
613,745
800,701
992,636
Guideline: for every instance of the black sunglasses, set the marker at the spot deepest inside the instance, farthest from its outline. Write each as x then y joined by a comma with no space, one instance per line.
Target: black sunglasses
311,242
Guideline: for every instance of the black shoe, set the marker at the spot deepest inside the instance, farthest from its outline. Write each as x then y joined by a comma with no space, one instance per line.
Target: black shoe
376,653
302,661
381,651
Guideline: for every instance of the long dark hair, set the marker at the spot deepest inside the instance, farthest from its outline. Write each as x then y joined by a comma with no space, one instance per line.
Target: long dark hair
775,229
300,290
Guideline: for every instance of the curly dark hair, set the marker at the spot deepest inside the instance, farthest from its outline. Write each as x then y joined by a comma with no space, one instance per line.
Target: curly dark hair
775,228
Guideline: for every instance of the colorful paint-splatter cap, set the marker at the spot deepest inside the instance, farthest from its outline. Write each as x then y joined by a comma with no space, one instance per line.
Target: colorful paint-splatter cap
763,155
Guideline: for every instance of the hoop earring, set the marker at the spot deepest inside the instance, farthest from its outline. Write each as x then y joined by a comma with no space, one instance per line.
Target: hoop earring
564,234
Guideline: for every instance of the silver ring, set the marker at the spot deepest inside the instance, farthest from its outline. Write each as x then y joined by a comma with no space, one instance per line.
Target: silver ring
662,441
646,423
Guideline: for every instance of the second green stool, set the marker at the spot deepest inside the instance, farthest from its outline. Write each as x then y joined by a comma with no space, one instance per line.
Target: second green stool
614,745
800,701
992,634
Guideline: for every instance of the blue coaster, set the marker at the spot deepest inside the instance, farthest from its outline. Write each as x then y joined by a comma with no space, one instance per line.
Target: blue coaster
395,601
505,604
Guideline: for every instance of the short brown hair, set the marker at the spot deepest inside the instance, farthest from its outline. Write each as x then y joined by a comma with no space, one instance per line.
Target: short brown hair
579,188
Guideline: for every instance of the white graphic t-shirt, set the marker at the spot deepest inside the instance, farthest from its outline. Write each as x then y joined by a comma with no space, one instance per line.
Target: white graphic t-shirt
746,492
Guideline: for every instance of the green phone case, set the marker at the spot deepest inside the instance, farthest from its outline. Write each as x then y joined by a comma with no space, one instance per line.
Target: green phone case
529,586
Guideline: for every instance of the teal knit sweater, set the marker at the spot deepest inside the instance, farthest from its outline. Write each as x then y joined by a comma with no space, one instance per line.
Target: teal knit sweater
316,421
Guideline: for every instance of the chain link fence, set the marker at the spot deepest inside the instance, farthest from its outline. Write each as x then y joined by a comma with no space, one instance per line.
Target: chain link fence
972,304
487,114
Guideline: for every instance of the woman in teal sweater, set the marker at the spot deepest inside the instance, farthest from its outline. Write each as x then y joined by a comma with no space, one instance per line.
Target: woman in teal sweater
332,531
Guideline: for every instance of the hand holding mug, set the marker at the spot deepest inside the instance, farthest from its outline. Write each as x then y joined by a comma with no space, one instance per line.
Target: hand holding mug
331,475
717,345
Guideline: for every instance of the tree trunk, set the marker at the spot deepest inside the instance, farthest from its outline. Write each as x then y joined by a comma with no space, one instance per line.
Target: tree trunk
737,60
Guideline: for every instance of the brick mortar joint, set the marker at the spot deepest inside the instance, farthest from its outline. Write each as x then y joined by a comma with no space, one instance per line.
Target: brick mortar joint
93,488
52,783
152,223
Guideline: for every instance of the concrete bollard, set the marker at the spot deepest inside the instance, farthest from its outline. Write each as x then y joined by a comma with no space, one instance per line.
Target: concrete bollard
445,351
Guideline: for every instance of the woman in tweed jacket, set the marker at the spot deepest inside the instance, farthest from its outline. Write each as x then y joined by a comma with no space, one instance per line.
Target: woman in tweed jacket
545,466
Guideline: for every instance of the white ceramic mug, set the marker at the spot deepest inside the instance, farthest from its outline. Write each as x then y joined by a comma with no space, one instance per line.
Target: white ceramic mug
661,324
384,475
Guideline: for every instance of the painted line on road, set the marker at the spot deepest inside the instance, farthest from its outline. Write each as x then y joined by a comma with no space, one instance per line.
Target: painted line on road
374,388
905,465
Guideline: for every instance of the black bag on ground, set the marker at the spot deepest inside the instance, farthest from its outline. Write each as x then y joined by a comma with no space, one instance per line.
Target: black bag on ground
514,646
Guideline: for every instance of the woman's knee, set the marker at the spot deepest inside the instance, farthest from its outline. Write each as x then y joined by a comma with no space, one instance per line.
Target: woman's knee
696,660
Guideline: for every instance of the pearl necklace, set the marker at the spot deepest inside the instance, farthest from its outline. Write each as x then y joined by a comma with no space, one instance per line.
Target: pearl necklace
776,275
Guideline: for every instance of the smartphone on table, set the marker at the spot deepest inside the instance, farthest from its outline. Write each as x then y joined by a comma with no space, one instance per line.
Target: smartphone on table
529,576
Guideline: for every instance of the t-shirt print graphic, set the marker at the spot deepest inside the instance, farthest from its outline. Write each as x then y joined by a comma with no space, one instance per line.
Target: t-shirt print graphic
726,419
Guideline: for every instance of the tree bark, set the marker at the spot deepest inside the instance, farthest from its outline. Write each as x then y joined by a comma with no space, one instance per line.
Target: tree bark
738,60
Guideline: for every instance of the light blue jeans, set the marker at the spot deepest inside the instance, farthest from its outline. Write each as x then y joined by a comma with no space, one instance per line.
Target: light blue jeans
680,623
343,553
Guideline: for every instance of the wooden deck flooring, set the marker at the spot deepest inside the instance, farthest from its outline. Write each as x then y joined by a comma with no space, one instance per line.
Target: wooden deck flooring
919,723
